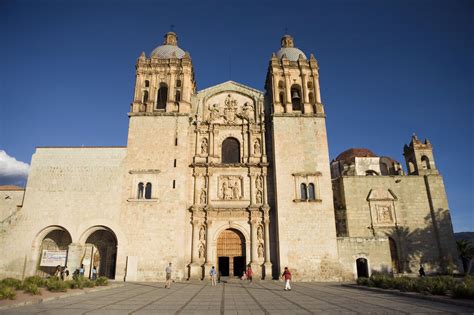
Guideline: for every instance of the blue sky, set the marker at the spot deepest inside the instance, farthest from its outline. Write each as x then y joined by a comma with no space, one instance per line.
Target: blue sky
388,69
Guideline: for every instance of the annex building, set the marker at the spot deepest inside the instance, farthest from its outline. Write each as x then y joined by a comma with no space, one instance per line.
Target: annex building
227,176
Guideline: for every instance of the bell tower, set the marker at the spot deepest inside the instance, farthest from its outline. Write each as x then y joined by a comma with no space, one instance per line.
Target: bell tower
419,157
299,156
165,81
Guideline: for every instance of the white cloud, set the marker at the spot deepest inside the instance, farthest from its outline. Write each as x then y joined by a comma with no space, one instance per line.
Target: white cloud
11,168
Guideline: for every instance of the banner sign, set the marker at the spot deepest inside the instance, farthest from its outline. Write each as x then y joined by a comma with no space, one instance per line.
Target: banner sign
52,258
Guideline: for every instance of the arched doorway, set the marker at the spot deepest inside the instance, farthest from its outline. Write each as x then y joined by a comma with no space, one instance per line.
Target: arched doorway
394,255
101,252
362,268
54,244
231,253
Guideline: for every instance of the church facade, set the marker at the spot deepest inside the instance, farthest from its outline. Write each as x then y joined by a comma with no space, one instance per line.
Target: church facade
229,176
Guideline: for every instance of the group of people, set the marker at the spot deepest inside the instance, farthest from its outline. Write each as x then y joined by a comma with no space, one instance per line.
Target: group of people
248,275
63,273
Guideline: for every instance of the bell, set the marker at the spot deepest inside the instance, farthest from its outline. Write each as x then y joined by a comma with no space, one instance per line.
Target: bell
295,94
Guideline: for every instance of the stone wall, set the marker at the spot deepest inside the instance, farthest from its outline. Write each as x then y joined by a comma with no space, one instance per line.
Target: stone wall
10,201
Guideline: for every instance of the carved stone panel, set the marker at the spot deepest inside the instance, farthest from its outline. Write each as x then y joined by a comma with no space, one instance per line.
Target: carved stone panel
230,187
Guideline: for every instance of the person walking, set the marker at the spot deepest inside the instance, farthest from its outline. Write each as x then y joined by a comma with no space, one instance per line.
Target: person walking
249,273
213,274
287,276
94,273
421,271
168,271
81,271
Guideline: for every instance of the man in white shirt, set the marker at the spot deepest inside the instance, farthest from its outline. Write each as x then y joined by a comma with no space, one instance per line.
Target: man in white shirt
169,271
213,274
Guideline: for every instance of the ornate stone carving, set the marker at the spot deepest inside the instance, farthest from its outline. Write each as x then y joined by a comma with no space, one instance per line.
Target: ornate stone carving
213,112
260,233
203,197
259,182
384,214
259,197
230,187
202,233
230,109
260,250
247,112
257,148
201,251
204,146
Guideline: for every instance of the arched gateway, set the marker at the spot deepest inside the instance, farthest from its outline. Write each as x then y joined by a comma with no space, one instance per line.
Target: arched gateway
231,253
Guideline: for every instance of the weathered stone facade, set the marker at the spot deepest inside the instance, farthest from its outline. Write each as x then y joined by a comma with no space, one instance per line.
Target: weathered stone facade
214,177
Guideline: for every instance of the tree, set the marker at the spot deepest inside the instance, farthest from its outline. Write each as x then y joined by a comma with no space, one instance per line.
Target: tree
466,253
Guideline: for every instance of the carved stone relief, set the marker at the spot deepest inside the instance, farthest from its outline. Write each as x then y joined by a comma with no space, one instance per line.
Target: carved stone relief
203,197
204,146
260,250
384,214
259,182
202,234
260,233
230,187
230,109
258,197
257,149
201,251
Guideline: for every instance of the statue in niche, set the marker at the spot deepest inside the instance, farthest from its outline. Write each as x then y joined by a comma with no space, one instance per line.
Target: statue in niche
213,112
260,233
259,182
204,146
230,188
203,197
202,233
256,147
259,197
260,250
201,251
230,108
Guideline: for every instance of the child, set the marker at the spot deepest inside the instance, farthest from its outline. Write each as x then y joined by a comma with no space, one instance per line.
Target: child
287,276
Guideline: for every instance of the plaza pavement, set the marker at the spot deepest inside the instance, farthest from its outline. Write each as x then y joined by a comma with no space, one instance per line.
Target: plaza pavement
238,297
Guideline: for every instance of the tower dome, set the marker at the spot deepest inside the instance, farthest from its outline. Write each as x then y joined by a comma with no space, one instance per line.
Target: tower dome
288,49
169,49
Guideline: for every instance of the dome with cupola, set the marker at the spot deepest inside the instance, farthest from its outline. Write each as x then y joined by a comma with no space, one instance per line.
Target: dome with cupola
287,49
169,49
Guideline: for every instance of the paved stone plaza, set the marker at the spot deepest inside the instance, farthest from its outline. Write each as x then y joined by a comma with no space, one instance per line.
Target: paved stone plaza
237,298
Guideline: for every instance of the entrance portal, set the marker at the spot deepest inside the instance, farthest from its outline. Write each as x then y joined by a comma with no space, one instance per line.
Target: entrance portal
102,245
231,253
362,268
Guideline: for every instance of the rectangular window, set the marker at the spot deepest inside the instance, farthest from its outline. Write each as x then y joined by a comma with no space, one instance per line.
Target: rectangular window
174,163
174,184
176,141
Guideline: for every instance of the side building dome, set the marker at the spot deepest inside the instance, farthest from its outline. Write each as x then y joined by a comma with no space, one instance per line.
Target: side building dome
169,49
288,49
349,155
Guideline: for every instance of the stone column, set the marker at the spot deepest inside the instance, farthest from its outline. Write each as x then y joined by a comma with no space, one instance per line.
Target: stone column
195,267
254,242
196,192
268,263
209,261
74,256
288,106
316,87
252,188
265,192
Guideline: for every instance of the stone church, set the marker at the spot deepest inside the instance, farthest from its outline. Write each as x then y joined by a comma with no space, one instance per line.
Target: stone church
228,176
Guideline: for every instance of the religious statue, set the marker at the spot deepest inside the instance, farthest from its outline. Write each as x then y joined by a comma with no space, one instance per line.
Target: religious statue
256,147
204,146
227,191
202,233
230,188
259,233
230,108
258,182
236,191
201,251
247,112
213,112
260,250
203,197
259,197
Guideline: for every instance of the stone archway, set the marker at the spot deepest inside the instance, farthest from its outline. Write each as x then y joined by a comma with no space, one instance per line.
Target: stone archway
52,239
231,257
362,268
100,251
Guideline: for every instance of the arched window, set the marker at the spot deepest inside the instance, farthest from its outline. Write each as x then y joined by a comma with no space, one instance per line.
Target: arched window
282,98
296,97
148,191
145,96
147,83
162,96
178,83
425,162
411,167
371,173
178,96
230,151
140,191
304,195
311,98
311,193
